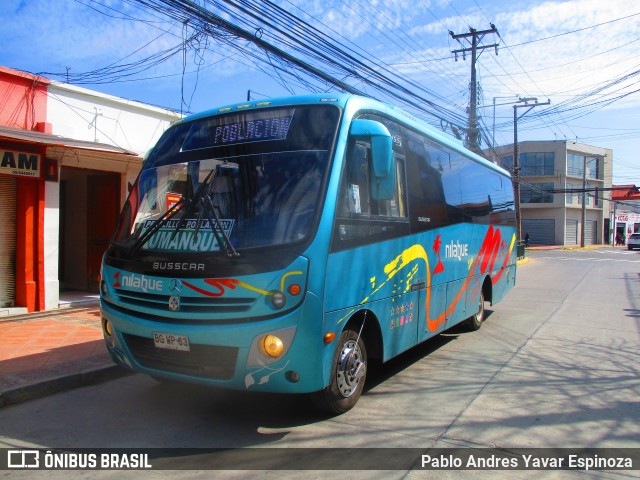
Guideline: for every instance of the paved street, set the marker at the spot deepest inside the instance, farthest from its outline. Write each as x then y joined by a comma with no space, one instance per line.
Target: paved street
557,364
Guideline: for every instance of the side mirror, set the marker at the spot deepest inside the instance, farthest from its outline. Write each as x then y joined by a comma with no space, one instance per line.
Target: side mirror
383,179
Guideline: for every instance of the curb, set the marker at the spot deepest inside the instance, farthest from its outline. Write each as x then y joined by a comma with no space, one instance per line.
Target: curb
61,384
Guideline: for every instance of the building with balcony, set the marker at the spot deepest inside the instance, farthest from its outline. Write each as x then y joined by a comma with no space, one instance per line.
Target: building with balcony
565,191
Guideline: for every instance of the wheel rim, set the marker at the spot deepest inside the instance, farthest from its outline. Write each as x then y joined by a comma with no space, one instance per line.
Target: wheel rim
351,368
479,316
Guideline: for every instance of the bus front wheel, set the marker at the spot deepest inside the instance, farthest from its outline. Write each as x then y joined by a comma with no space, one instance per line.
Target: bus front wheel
348,374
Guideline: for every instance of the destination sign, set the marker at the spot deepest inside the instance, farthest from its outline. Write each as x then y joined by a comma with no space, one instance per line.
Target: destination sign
246,129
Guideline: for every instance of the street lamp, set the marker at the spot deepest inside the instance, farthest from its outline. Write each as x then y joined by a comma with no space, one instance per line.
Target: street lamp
493,129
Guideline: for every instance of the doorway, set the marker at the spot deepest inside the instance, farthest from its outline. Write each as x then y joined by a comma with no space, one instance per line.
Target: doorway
621,235
89,206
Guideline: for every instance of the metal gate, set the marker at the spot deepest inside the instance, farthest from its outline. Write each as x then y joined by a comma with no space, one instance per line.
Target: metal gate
541,231
591,233
571,232
7,241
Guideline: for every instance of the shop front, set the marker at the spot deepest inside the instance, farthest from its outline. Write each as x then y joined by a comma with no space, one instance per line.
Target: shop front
626,224
60,199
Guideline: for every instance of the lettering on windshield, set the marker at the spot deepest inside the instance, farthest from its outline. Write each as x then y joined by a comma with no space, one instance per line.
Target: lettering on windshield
185,240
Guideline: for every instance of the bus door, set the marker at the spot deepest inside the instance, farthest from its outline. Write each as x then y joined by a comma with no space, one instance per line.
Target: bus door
371,230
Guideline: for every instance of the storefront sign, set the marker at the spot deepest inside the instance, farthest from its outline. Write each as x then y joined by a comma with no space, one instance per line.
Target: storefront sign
628,218
23,164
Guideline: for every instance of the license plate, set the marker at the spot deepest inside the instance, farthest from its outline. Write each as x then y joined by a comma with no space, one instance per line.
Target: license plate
171,342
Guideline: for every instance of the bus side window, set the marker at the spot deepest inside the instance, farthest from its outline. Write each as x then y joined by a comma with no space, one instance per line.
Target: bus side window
357,185
361,219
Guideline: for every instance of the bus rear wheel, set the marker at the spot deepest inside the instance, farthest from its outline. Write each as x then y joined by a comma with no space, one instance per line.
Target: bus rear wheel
348,374
474,322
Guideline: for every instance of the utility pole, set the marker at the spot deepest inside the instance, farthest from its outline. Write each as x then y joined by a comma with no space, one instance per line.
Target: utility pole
583,234
516,156
474,37
614,227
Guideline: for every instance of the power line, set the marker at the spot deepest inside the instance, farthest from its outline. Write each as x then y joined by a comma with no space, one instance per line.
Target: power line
576,30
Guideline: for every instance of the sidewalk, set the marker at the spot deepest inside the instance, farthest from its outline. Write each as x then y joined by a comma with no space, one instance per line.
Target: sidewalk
48,352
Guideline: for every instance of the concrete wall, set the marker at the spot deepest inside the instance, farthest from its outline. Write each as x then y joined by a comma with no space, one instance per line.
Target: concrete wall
92,116
23,102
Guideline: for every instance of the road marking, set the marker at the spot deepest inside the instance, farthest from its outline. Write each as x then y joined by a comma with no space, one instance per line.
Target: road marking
593,259
615,252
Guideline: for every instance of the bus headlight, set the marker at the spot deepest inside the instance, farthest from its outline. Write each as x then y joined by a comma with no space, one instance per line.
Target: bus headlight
272,346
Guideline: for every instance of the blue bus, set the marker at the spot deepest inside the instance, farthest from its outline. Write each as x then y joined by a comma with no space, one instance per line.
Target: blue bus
283,245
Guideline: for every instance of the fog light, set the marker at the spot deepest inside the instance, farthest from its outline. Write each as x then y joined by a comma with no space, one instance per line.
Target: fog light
106,326
278,299
103,287
272,346
293,377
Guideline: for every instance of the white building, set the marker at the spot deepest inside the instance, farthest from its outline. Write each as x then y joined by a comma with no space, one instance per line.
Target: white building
81,151
553,177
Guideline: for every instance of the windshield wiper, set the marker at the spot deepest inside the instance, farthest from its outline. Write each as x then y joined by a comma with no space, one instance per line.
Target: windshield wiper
202,201
205,202
166,216
203,189
221,236
169,214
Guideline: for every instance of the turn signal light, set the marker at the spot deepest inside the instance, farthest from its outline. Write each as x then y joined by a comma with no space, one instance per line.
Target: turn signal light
107,327
294,289
329,337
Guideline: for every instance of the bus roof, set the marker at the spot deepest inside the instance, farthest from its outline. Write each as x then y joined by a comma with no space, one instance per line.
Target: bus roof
353,103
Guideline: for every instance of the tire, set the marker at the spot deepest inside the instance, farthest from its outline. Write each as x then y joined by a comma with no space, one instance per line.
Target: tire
474,322
348,374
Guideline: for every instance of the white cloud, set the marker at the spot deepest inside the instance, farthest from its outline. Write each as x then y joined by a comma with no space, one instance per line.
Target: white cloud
573,62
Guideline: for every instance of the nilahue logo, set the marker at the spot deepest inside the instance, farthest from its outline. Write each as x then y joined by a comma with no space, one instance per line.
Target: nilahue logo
140,282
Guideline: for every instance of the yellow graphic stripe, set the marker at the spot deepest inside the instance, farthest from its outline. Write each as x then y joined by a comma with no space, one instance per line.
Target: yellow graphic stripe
284,277
415,252
249,287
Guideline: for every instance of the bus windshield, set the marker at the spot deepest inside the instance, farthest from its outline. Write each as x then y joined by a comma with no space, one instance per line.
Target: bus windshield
232,182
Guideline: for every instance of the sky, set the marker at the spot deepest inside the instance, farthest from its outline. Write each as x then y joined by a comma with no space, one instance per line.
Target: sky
581,55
